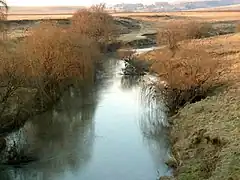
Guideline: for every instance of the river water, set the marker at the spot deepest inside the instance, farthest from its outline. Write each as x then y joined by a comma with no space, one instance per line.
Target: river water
107,132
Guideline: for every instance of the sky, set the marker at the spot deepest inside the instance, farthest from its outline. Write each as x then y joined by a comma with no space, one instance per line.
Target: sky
76,2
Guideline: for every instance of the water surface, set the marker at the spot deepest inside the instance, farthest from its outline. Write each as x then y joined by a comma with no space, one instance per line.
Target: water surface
106,132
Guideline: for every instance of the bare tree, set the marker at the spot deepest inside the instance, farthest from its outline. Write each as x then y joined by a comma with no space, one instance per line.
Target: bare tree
3,16
3,10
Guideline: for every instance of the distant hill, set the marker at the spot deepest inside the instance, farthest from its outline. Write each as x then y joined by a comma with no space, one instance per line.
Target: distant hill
178,6
206,4
222,8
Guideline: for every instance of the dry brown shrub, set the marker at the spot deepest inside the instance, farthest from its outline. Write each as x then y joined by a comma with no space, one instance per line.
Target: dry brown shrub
176,31
12,77
189,75
52,56
94,23
188,68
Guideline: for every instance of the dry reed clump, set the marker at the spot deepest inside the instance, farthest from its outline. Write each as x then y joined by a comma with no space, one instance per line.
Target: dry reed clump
95,23
51,56
190,75
177,31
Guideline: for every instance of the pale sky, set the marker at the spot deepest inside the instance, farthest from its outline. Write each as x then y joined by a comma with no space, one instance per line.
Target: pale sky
76,2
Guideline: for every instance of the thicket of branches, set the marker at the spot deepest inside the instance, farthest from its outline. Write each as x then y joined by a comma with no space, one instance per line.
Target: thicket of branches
190,73
52,58
95,23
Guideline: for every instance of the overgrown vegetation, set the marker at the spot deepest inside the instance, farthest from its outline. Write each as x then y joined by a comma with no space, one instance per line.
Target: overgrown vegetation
177,31
190,73
35,71
205,140
96,24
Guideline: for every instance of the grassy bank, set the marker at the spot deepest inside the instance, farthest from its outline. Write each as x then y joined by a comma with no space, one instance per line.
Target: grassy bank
205,135
202,84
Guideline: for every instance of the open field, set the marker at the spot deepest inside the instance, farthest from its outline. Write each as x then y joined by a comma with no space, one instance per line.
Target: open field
223,8
153,20
204,15
201,15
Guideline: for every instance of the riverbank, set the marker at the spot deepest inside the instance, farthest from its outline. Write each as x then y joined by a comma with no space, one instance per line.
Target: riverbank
48,59
205,134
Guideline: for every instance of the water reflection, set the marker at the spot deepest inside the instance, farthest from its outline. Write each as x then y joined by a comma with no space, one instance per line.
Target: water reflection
61,139
153,123
116,131
128,82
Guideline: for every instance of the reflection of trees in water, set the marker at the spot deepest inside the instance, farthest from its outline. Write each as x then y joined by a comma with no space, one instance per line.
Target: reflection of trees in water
154,124
61,139
128,82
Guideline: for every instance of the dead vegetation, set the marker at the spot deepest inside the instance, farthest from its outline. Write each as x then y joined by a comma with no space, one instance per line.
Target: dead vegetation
205,140
101,29
190,73
52,56
176,31
36,70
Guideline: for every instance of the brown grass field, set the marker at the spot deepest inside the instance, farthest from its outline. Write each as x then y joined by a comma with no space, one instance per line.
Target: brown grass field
204,15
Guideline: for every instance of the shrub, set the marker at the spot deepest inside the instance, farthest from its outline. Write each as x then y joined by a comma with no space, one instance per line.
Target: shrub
176,31
189,75
12,79
53,56
94,23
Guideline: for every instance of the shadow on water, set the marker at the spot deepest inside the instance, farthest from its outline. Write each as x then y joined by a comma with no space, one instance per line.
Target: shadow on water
61,140
115,129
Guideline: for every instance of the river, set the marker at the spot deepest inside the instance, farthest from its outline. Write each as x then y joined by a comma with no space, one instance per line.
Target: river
107,132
